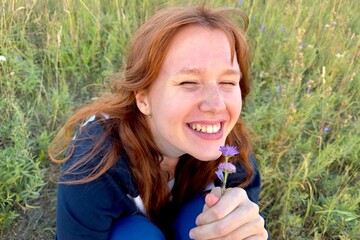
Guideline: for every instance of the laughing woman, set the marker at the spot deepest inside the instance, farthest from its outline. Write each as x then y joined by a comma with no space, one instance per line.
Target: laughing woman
140,161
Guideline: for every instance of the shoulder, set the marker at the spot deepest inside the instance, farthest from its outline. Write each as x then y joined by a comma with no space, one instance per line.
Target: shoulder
88,148
90,208
90,131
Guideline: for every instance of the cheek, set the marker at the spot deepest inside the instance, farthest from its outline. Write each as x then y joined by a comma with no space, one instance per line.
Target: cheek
167,108
235,104
173,102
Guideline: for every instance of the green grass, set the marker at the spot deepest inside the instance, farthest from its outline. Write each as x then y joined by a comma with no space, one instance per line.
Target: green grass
303,109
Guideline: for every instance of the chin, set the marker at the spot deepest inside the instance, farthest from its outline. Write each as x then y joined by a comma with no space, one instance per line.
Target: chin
207,157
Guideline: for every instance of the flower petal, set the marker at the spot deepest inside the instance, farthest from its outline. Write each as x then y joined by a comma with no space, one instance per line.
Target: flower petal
229,151
220,175
228,167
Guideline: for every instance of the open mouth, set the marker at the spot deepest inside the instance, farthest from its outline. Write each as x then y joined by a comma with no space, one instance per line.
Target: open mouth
205,128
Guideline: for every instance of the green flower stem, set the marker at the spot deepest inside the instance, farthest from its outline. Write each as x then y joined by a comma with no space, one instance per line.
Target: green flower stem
226,173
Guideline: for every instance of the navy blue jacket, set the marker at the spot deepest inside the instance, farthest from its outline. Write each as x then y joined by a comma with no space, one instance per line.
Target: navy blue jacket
88,211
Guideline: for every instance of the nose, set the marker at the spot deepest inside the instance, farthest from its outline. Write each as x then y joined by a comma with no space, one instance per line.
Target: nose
212,99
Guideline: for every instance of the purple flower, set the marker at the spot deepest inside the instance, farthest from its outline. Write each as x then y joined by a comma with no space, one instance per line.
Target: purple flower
225,168
278,88
326,129
262,28
229,167
229,151
220,175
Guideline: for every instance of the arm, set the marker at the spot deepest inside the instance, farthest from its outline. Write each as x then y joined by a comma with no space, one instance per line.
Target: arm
87,211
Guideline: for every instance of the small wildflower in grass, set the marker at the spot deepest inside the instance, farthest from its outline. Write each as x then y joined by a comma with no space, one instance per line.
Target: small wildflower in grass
326,129
292,107
2,58
339,55
224,169
278,88
262,28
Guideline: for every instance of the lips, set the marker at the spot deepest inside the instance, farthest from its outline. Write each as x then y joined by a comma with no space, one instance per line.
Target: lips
205,128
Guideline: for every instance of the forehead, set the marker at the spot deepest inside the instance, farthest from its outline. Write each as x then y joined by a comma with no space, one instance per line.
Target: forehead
198,46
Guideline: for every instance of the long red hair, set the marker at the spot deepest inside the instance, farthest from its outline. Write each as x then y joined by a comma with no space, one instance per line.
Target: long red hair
127,127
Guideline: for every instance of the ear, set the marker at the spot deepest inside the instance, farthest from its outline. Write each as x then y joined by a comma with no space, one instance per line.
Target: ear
142,102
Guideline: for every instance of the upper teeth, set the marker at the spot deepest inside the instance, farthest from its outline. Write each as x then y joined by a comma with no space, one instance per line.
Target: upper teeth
206,128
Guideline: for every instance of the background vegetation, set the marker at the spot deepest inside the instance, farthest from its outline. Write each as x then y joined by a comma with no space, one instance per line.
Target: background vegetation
304,107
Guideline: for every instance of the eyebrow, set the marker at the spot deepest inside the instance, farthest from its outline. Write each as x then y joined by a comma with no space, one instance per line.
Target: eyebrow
191,71
198,71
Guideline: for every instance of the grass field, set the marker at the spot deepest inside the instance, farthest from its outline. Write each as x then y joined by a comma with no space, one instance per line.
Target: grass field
303,109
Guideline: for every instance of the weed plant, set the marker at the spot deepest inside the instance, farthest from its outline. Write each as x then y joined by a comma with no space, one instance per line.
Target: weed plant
303,109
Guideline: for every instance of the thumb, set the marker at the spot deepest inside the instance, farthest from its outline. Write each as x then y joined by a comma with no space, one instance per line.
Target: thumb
212,198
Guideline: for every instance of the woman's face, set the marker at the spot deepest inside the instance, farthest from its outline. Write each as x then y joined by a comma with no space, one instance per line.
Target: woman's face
196,99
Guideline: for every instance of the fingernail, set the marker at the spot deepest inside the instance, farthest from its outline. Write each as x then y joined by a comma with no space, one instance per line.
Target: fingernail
192,234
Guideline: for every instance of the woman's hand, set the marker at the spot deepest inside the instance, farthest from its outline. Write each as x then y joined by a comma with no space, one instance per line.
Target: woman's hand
231,216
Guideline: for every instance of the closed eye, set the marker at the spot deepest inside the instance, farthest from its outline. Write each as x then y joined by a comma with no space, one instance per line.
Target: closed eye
188,83
230,83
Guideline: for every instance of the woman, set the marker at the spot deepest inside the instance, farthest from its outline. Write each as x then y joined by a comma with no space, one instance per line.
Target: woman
144,156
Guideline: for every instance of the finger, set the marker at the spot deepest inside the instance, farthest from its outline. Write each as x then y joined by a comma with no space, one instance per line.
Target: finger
212,198
258,237
232,198
216,191
246,218
264,235
250,231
